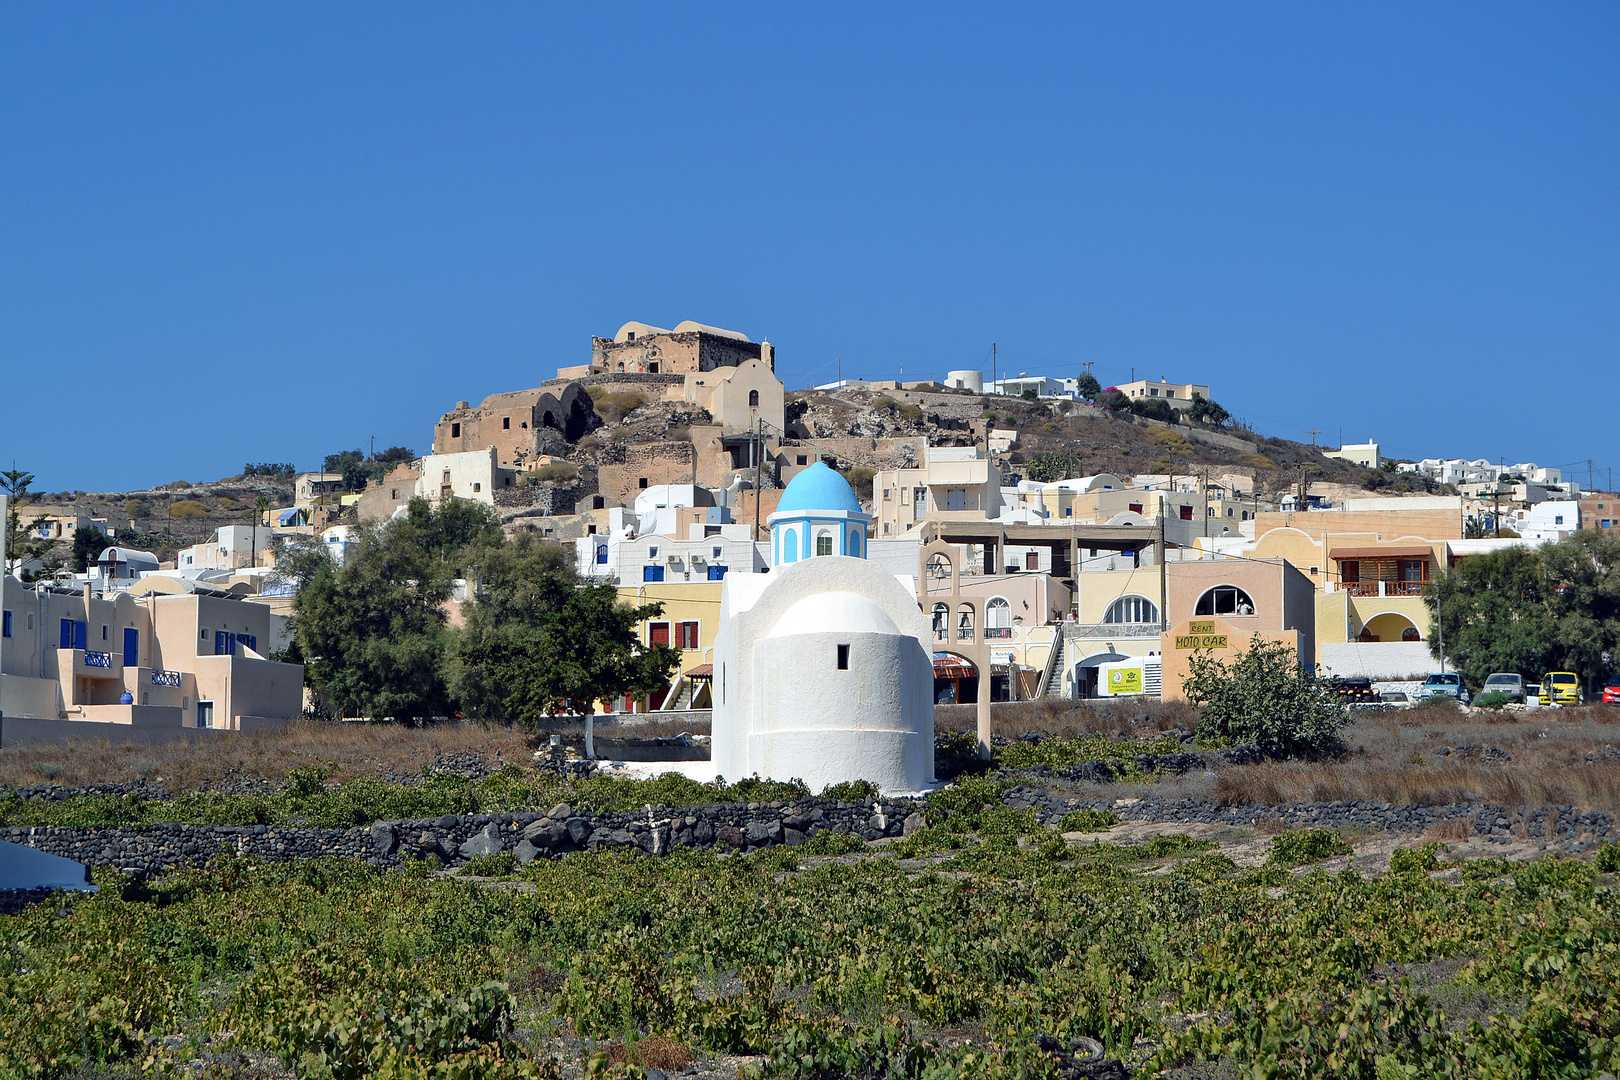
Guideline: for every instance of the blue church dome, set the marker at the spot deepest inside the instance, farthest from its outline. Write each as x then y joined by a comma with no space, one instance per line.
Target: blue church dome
818,488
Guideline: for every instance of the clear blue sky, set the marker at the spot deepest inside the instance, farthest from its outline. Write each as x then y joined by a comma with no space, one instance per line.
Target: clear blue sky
266,232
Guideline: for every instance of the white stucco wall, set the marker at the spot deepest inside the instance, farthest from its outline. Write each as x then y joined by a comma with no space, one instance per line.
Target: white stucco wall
785,710
1378,659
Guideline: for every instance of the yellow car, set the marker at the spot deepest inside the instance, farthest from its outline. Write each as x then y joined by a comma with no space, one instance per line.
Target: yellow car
1562,688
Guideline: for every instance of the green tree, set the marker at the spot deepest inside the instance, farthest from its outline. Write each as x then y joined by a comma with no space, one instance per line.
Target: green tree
1114,399
394,455
373,630
88,544
1532,610
1264,697
1154,409
1046,468
535,642
1207,412
1087,386
21,545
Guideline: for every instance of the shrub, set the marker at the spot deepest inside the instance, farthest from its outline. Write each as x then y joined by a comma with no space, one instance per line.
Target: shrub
557,470
1265,697
1170,846
1418,860
860,791
615,406
832,842
500,864
187,508
1493,699
1088,821
1607,858
1299,846
134,508
1047,468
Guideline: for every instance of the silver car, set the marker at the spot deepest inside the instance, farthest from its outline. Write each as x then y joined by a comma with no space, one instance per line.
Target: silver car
1505,682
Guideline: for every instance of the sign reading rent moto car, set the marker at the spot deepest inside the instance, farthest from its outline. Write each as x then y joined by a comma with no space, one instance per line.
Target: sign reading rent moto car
1201,635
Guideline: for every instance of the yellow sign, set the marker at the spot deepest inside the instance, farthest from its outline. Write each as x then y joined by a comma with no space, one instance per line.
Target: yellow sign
1125,681
1200,641
1201,626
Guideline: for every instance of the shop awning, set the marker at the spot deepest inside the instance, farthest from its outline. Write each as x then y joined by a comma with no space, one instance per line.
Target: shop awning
951,666
702,671
1395,551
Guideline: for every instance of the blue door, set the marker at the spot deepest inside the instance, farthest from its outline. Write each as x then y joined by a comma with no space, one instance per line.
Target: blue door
224,643
80,633
66,640
132,647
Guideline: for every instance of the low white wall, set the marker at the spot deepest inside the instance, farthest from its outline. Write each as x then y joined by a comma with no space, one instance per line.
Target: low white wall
1378,659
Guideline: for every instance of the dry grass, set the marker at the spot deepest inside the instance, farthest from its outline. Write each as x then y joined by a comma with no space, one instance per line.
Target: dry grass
653,1052
1391,760
1130,719
351,749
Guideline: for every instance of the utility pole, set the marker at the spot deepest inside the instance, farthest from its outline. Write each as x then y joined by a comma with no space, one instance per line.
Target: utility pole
1313,433
1588,474
759,434
993,379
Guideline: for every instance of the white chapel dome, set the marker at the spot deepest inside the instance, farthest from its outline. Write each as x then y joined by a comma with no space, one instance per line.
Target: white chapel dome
834,612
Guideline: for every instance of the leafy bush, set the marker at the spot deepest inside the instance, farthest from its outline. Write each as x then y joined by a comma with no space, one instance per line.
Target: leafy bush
1171,846
1491,699
926,841
1047,468
612,406
1265,697
500,864
1418,860
832,842
1299,846
856,791
554,472
187,508
1088,821
1606,859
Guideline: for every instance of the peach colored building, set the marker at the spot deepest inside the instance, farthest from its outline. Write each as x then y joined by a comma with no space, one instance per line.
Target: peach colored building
194,659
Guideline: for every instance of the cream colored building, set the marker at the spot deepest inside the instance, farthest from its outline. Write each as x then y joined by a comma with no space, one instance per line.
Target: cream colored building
739,399
1363,454
954,483
192,659
473,475
1177,395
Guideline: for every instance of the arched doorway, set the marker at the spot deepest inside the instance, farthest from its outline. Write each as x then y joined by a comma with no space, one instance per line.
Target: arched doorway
1390,626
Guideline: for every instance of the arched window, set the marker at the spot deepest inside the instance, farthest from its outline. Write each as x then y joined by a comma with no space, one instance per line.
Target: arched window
1132,609
964,622
942,617
1225,600
1411,634
753,398
855,543
997,613
790,546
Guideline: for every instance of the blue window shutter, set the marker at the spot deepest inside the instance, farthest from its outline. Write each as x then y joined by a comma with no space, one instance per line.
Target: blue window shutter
716,573
652,573
250,640
132,647
81,631
6,629
67,634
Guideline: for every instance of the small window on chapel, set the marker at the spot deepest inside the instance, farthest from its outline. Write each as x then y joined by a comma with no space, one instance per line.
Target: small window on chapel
843,658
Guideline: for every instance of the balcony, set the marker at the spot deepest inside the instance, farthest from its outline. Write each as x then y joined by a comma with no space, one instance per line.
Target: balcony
94,659
1111,631
165,678
1378,588
998,633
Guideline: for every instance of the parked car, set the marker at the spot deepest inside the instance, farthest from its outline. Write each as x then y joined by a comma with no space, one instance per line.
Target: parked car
1449,684
1504,682
1561,688
1611,690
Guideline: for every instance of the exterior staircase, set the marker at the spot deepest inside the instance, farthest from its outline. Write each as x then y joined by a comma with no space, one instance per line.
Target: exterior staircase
1051,685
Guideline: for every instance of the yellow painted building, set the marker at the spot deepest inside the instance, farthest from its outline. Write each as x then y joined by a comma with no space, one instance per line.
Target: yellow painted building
689,621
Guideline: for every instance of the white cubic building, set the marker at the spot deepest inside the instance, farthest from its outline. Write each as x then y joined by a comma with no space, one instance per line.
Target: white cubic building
822,666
